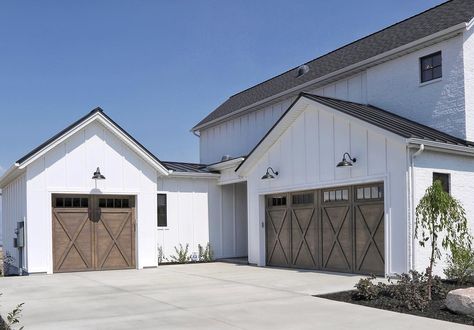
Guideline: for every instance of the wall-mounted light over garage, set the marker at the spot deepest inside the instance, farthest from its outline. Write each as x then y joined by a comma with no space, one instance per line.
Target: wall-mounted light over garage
268,175
97,175
346,161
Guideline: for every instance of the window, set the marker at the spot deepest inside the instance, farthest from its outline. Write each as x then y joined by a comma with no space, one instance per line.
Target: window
277,201
162,213
303,198
431,67
369,192
114,203
444,178
71,202
336,195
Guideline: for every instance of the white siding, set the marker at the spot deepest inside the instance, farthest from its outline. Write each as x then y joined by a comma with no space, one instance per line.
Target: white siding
393,86
193,214
13,211
306,155
461,170
68,168
469,81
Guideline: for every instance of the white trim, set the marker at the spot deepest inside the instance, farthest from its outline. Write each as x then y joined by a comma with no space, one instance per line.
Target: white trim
417,44
226,164
11,174
429,82
442,147
195,175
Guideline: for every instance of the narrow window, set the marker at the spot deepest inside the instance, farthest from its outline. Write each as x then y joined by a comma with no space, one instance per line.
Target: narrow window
162,214
444,179
431,67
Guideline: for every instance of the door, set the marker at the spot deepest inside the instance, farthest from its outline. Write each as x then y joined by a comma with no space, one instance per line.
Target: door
335,229
93,233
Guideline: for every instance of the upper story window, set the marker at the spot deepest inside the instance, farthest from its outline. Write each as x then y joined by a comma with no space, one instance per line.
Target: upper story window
431,67
443,178
162,211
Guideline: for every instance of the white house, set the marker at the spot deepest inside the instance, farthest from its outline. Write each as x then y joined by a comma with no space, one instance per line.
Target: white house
320,167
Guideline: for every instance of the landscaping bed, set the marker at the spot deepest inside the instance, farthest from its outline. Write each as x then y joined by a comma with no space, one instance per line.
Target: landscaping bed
435,308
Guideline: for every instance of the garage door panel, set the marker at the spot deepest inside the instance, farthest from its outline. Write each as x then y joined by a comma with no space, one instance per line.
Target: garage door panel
304,238
278,237
369,238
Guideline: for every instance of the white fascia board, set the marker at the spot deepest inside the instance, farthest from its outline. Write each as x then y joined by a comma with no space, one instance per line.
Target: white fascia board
100,118
226,165
412,46
191,175
442,147
11,174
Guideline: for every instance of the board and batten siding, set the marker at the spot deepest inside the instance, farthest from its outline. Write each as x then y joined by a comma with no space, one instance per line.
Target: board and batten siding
200,211
461,172
68,168
13,211
306,154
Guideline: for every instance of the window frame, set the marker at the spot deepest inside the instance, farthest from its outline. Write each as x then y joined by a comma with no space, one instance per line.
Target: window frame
422,70
158,210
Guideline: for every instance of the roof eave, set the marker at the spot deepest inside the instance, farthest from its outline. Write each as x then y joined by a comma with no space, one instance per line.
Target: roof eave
11,174
455,29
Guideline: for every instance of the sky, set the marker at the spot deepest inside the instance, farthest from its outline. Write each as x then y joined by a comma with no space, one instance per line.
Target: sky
158,67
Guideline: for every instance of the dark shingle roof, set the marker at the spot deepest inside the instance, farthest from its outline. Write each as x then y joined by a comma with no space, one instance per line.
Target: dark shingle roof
384,119
187,167
389,121
424,24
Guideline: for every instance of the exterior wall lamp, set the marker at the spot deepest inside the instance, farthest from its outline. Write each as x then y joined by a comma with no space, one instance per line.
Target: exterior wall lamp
345,162
268,175
97,175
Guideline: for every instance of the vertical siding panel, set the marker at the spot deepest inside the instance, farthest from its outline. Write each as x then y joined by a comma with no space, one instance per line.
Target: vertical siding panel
326,146
341,145
376,148
311,145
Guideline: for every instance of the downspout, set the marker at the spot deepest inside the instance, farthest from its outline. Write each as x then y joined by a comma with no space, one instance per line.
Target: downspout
411,238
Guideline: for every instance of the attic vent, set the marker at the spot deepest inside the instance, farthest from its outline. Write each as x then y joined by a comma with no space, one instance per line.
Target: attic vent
302,69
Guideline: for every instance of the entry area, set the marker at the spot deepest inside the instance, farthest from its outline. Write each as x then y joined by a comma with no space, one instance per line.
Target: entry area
336,229
93,232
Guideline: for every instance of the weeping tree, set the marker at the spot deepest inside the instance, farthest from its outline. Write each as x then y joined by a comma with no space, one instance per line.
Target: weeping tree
440,215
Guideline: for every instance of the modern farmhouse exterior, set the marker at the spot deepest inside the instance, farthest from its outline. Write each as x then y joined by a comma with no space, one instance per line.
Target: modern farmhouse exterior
320,167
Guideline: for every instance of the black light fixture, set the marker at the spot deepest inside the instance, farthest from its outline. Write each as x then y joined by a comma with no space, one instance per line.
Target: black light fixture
346,162
97,175
268,175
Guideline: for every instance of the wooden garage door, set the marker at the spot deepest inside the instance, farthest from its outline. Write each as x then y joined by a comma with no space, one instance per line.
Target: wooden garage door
93,233
336,229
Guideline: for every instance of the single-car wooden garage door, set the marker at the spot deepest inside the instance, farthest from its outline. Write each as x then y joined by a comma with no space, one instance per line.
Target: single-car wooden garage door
93,232
336,229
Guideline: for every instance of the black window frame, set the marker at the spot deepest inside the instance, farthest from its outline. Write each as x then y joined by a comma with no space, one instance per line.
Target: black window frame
162,211
445,179
435,70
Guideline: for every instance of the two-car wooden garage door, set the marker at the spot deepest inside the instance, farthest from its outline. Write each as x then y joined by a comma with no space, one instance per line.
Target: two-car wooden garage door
337,229
93,232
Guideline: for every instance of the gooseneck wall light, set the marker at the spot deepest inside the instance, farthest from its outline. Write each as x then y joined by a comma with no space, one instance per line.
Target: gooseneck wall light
268,175
346,161
97,175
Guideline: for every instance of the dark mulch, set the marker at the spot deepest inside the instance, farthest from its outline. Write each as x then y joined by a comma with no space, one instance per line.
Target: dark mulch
435,309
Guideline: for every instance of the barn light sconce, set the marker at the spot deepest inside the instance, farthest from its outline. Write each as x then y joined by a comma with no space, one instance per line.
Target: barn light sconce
268,175
97,175
345,162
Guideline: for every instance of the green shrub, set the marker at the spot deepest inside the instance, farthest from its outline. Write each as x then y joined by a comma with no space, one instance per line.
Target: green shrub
182,254
161,255
460,264
13,318
205,254
366,289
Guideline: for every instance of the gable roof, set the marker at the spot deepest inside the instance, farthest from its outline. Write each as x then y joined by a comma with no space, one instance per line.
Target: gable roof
386,120
96,114
187,167
427,23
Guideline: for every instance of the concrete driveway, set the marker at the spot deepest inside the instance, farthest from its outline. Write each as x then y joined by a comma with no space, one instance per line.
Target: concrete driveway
200,296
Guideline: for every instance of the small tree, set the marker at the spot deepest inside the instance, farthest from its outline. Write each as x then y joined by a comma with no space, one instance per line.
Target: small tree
439,213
